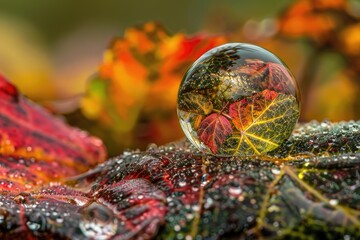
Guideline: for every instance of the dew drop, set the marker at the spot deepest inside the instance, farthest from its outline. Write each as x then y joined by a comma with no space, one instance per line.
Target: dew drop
177,228
182,183
195,188
249,219
333,202
204,180
275,171
352,157
151,147
195,208
98,222
59,220
20,199
188,237
347,237
189,216
235,191
208,203
36,222
249,74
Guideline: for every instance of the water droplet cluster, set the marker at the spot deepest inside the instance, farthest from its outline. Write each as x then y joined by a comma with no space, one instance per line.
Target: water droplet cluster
238,99
172,192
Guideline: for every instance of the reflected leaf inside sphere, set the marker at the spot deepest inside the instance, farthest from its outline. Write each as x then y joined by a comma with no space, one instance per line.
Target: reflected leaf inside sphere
238,99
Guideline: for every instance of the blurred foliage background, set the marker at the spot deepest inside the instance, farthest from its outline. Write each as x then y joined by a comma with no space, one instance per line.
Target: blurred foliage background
64,55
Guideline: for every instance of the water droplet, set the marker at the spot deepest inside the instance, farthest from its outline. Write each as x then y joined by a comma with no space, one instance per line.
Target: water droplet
195,188
182,183
189,216
235,191
204,180
151,147
59,220
20,199
208,203
275,171
241,198
78,201
333,202
242,83
177,228
195,208
188,237
36,222
273,208
98,222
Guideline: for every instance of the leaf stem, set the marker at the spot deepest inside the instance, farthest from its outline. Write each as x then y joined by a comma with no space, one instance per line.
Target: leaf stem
265,202
346,211
222,111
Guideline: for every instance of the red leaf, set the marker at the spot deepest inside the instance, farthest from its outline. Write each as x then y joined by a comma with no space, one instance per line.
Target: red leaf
243,111
7,90
273,76
279,79
213,131
37,148
141,208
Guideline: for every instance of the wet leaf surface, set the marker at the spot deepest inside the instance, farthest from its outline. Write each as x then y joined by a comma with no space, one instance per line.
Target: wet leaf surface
307,188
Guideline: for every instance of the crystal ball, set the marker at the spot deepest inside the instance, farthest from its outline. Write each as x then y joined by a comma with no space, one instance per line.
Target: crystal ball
238,99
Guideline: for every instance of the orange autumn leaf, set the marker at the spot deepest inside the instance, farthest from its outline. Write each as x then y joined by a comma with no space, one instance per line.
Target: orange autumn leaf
262,121
311,18
135,90
350,40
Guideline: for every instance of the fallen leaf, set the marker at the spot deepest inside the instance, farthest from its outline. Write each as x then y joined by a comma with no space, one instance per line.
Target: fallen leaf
263,121
308,187
272,76
316,20
36,147
213,131
8,91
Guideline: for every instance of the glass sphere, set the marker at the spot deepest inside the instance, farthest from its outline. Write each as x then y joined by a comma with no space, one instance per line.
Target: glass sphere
238,99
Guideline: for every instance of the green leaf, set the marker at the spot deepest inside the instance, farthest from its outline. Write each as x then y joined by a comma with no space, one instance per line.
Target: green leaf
263,121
